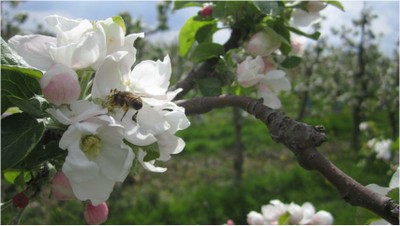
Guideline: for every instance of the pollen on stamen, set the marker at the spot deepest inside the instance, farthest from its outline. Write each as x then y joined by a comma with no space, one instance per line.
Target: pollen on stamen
91,146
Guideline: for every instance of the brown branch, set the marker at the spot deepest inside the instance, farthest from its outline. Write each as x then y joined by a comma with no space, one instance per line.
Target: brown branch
302,140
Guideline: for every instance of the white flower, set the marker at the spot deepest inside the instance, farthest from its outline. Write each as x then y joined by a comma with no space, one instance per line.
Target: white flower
117,41
273,211
158,119
363,126
271,84
78,44
97,158
303,18
253,72
254,218
381,148
249,72
60,85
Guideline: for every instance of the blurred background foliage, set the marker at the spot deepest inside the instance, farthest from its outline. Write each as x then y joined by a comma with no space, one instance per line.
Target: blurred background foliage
336,86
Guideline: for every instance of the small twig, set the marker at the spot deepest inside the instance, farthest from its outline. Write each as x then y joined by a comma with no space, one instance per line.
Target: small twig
302,139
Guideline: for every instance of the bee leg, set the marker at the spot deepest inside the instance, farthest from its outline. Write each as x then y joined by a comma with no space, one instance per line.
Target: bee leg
134,116
124,115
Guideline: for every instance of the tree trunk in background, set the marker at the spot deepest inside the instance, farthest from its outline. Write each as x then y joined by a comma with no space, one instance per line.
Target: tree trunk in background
239,146
360,84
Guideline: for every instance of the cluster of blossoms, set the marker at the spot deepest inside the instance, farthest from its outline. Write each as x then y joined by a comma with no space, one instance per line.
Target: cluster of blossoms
118,117
260,69
305,214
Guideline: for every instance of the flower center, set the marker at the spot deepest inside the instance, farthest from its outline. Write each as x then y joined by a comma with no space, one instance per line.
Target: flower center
91,145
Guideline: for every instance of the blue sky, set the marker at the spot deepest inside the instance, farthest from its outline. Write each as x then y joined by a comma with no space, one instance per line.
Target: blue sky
387,11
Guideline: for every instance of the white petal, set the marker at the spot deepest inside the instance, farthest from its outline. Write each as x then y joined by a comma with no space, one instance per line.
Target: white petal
276,80
68,30
70,136
59,116
176,118
152,78
109,75
302,18
152,121
97,189
378,189
33,49
133,133
169,144
270,99
114,33
149,165
77,167
84,110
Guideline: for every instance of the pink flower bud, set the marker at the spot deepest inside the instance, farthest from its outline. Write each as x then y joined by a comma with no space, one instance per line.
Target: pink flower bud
20,200
322,218
297,47
206,11
263,43
60,85
61,187
230,222
96,214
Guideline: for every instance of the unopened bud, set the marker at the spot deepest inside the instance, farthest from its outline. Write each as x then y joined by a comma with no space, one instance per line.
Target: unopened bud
96,214
206,11
61,187
60,85
20,200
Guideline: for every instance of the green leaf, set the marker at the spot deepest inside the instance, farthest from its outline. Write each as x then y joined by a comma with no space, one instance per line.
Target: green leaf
205,51
20,134
35,106
284,219
40,154
120,21
219,9
30,72
12,175
291,62
152,151
337,4
188,32
16,86
205,34
394,194
185,4
210,86
314,36
268,7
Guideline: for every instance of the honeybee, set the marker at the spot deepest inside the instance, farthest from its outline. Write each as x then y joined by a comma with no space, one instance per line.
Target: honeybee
125,100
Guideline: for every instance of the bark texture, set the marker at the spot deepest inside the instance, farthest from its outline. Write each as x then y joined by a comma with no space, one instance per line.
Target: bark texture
302,139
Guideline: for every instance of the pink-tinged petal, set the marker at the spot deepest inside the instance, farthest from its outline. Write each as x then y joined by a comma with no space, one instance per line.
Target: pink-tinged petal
263,43
276,81
33,49
95,215
249,72
321,218
151,78
149,165
61,188
60,85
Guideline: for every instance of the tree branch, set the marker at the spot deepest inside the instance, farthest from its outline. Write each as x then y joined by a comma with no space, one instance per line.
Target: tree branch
302,139
206,68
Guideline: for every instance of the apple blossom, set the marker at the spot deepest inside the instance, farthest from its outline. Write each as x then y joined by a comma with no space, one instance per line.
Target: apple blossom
300,215
97,157
78,44
381,148
95,214
158,119
60,85
271,84
249,72
263,43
